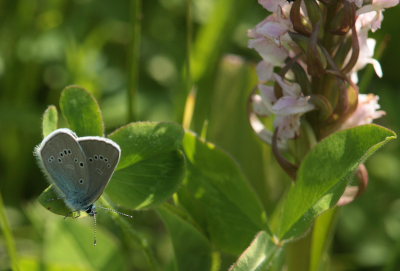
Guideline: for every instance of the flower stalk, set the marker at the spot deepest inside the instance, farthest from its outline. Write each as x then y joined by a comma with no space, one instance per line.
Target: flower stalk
311,53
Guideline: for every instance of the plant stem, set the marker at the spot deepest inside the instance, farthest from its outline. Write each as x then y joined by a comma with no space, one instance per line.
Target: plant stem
322,234
5,225
189,89
134,56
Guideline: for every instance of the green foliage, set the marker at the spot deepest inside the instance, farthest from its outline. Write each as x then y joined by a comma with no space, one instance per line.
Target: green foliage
50,120
144,140
191,247
81,111
218,197
47,45
258,256
151,166
324,174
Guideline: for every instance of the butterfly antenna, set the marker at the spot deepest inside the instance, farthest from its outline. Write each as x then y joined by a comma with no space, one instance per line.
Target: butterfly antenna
94,231
114,211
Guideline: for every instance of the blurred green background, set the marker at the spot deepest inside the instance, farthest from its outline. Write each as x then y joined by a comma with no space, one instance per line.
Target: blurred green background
46,45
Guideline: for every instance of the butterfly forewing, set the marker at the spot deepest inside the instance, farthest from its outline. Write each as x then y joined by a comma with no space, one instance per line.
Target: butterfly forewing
102,156
64,160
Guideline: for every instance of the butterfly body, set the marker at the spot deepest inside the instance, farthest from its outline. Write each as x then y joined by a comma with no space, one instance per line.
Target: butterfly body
79,167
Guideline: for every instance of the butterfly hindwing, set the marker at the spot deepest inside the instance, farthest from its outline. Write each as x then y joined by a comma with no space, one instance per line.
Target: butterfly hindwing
102,156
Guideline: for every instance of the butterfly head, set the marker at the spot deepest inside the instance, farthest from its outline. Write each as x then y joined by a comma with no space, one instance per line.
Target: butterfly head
91,210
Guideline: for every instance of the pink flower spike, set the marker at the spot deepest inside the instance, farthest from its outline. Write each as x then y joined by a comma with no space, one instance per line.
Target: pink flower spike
366,112
273,5
264,71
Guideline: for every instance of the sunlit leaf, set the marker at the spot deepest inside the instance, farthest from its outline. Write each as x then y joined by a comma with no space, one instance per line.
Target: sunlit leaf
50,120
258,256
148,182
143,140
324,174
81,111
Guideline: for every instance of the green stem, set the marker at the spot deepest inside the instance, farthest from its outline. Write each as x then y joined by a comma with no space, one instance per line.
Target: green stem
136,24
129,231
321,238
189,34
5,225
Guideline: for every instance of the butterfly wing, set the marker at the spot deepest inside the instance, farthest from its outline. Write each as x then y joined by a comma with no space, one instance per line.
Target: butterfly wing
64,162
102,156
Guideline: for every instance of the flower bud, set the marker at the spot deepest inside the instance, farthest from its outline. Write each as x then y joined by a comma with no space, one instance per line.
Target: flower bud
344,18
300,24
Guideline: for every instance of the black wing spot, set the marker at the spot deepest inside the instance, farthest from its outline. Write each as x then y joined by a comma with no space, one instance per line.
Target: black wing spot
81,181
90,159
101,157
96,157
105,159
65,152
59,160
108,165
69,151
81,164
76,160
61,154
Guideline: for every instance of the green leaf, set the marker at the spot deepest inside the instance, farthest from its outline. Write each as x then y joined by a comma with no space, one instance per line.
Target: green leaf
148,182
324,174
70,242
258,256
50,200
81,111
192,249
50,120
143,140
218,197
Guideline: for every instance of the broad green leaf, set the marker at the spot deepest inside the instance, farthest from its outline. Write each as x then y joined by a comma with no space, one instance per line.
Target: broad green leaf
142,140
324,174
148,182
50,120
81,111
52,202
219,199
258,256
192,249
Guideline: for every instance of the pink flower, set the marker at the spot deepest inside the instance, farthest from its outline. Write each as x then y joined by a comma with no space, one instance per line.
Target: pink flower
287,109
366,112
270,38
273,5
